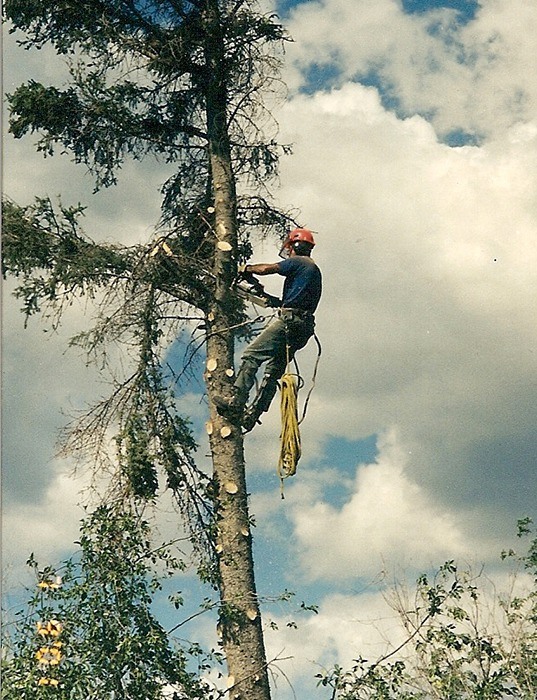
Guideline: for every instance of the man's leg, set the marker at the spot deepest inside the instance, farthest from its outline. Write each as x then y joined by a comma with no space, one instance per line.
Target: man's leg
263,349
294,337
267,389
283,351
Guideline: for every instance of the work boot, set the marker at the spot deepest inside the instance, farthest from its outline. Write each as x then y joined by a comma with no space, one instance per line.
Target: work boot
249,419
231,407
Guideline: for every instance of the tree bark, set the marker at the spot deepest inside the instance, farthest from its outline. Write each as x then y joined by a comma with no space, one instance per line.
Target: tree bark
240,620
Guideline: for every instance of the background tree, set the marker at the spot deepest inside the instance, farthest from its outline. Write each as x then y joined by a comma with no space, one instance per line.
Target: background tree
464,640
88,630
181,81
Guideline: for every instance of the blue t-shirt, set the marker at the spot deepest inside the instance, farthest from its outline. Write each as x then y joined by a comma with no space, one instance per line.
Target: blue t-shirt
303,283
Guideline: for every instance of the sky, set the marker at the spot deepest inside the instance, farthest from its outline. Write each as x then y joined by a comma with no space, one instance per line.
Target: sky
414,132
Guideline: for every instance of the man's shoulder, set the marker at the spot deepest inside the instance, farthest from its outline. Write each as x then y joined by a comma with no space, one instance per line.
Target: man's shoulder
296,262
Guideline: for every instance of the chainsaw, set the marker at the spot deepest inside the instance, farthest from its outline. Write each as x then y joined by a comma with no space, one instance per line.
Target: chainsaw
249,288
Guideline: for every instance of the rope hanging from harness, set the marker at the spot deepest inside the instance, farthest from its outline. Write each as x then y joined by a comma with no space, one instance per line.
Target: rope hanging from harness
290,442
290,447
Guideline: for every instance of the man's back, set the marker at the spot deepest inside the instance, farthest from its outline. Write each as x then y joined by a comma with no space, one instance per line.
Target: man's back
303,283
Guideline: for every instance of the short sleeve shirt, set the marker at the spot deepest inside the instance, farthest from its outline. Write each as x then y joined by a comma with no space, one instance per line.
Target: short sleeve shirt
303,283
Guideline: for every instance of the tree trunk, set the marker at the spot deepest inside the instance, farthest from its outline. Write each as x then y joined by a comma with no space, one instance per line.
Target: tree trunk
240,619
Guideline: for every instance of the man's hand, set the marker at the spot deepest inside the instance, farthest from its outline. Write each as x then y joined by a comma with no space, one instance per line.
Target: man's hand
241,272
273,302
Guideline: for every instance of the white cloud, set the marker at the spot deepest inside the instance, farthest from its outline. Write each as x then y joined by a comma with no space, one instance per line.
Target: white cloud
346,626
477,77
388,518
429,256
47,528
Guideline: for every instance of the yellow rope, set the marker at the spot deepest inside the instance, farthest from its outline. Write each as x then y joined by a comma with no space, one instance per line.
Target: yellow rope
290,449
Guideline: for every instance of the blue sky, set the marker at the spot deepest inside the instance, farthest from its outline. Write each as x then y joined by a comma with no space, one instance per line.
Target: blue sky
466,8
415,150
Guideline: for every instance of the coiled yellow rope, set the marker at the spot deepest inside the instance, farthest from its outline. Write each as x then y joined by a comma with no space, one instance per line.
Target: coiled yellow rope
290,449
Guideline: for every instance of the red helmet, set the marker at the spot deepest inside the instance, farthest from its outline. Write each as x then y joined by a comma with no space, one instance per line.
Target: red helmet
303,235
297,235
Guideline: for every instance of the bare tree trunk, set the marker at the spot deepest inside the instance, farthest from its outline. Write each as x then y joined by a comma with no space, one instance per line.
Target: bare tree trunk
240,619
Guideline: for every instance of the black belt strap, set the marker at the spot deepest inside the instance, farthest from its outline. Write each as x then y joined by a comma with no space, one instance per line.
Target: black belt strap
299,312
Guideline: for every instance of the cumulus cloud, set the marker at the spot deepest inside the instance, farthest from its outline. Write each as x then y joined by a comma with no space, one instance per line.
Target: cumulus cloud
48,527
429,257
346,625
387,518
475,76
43,383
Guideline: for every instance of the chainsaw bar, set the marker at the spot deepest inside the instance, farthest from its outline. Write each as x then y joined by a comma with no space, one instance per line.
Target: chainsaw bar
253,291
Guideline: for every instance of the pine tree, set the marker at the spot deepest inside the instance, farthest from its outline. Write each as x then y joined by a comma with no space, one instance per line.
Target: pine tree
182,81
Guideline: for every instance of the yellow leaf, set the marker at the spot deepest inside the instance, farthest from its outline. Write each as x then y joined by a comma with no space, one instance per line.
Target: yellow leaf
48,681
54,627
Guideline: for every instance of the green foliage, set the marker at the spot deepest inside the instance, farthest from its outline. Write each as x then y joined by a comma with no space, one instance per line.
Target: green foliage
463,642
110,645
182,82
45,248
139,462
139,80
153,442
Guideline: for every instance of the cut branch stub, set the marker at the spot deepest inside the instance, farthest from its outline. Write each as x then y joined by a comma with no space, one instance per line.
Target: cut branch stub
231,487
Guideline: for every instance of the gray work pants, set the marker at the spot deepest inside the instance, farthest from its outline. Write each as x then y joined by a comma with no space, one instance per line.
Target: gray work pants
275,346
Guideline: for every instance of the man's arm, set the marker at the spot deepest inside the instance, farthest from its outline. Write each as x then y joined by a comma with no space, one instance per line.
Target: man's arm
262,269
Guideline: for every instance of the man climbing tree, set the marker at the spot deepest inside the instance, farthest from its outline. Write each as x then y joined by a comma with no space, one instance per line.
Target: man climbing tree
278,343
180,81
